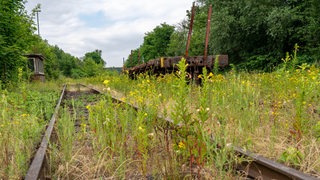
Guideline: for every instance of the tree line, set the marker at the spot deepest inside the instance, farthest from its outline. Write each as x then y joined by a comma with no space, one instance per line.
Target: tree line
18,38
255,34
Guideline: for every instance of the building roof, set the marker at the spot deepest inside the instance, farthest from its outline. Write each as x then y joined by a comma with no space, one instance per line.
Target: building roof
40,56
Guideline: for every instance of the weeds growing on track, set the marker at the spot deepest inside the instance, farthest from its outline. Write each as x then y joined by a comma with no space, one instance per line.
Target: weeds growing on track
24,114
273,114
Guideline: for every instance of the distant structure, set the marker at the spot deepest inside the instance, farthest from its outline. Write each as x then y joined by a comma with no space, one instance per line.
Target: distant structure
35,64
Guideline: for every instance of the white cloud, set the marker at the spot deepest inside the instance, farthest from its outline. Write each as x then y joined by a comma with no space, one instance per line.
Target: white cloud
124,24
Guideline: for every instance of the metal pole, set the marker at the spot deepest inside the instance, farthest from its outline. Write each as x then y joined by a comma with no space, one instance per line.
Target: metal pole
139,57
190,31
207,34
38,22
131,58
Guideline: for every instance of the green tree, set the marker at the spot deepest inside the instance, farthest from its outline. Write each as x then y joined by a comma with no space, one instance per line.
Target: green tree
155,43
51,63
96,56
91,68
66,62
257,34
134,58
16,33
177,44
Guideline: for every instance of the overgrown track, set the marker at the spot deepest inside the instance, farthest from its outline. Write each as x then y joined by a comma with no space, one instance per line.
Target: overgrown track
257,167
38,165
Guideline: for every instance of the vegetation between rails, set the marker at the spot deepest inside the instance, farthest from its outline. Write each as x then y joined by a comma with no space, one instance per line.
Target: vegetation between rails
273,114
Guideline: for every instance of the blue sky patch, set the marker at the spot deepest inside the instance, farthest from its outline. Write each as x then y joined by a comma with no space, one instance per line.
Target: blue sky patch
94,19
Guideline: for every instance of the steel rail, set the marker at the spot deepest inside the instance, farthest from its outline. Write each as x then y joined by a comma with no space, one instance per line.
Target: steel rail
260,167
256,166
36,169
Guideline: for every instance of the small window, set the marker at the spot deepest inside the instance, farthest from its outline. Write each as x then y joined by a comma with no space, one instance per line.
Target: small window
31,62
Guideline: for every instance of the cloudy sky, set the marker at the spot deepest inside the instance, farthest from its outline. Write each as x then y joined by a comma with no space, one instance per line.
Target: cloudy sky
113,26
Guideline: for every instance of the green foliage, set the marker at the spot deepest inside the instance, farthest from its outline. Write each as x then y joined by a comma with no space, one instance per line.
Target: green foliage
266,28
134,58
178,38
95,56
181,113
155,44
24,114
316,129
57,62
91,68
15,36
67,63
66,132
255,34
51,65
291,156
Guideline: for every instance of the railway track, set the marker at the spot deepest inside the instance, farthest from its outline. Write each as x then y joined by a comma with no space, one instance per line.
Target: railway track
255,166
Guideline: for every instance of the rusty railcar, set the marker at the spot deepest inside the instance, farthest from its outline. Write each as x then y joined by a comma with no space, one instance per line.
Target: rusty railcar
196,64
165,65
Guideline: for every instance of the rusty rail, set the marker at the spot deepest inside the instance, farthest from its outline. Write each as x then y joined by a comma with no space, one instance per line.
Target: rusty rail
257,166
37,167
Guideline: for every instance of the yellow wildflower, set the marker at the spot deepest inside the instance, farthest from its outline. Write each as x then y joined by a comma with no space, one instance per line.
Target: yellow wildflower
106,82
24,115
181,145
140,128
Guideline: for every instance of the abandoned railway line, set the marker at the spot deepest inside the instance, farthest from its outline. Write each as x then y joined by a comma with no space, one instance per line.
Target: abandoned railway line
253,165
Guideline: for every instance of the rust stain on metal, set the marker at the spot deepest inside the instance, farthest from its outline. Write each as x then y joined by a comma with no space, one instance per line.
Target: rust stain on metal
207,33
190,30
37,168
139,58
257,167
168,64
261,167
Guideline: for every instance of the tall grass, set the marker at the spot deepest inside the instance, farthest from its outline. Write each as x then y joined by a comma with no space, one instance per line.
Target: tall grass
275,114
24,114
